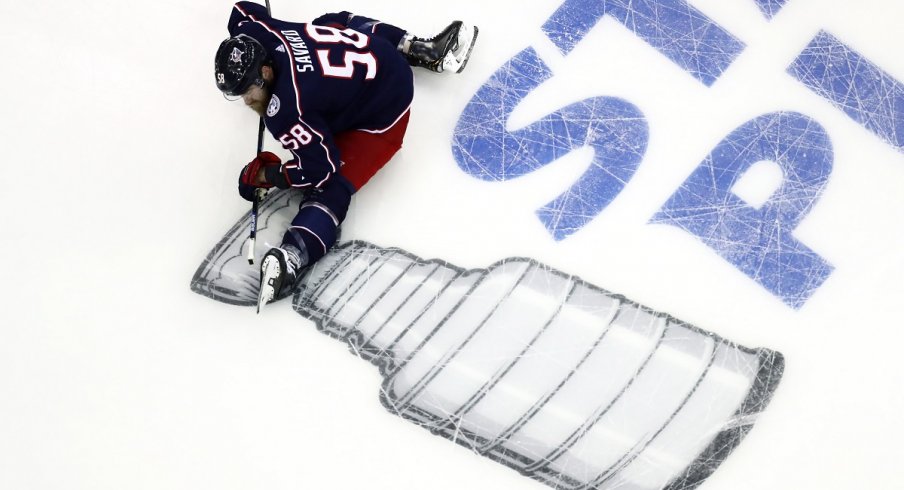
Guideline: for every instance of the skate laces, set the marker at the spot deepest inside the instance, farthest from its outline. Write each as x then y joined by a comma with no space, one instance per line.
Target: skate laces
293,258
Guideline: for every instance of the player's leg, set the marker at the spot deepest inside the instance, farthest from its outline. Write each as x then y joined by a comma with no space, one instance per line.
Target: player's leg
312,233
371,27
314,229
364,153
448,51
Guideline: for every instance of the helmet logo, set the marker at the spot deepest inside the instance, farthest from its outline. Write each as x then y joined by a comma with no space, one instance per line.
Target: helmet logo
236,56
273,107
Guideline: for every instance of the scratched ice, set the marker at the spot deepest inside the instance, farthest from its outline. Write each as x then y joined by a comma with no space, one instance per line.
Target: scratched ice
676,29
759,240
852,83
613,127
534,368
567,383
771,7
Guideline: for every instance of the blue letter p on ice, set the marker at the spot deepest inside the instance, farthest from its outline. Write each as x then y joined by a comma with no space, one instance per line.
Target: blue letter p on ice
758,241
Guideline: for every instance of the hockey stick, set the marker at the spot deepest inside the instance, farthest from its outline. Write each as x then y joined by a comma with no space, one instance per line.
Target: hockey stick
259,193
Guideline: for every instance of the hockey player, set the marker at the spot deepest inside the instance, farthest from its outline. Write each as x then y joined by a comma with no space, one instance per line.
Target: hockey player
335,92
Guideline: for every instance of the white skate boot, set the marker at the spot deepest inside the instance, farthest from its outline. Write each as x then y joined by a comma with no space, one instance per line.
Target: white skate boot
448,51
279,272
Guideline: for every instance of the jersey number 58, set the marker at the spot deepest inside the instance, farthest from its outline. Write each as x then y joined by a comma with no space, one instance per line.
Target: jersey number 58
296,137
331,35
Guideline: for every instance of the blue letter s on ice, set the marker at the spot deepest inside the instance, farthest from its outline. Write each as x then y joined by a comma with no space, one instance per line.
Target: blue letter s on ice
613,127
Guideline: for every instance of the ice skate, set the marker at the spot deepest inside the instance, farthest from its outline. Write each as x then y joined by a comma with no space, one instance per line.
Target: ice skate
448,51
279,272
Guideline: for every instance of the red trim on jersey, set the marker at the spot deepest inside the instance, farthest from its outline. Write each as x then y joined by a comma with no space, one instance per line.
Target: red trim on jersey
387,128
285,172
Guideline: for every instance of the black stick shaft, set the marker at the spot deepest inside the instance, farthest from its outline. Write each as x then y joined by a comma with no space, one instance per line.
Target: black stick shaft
255,204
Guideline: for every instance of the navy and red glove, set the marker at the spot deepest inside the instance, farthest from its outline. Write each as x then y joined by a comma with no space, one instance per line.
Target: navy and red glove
248,176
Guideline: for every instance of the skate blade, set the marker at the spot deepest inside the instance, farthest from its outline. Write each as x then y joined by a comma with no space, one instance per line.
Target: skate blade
265,296
456,60
269,271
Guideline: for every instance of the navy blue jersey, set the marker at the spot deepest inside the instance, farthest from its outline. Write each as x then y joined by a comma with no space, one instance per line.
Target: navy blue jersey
327,80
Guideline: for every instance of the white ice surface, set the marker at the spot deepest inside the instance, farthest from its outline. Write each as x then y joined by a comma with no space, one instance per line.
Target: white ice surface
120,159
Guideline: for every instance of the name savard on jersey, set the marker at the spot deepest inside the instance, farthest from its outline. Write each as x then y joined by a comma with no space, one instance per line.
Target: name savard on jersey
300,52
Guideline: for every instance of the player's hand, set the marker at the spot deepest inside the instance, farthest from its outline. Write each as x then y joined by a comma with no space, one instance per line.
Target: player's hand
254,173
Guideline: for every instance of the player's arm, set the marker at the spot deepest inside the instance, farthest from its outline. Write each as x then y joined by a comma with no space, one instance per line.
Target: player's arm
316,158
244,13
338,19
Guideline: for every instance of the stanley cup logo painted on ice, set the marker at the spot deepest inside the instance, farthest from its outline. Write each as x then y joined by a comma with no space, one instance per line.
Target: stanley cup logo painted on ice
567,383
541,371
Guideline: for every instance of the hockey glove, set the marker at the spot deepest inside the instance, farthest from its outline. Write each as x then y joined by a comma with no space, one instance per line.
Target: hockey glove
248,176
246,191
250,173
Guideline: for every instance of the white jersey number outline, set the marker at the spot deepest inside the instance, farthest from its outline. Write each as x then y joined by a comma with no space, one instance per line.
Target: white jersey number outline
346,70
296,137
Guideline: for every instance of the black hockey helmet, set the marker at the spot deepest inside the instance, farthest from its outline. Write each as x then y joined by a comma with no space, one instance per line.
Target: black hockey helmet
238,63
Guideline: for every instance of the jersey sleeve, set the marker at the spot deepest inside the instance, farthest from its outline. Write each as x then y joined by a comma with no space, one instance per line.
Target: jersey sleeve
241,15
316,158
336,19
